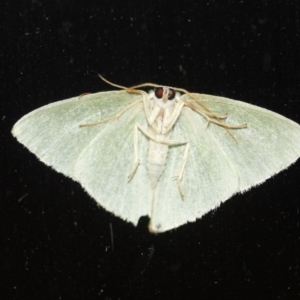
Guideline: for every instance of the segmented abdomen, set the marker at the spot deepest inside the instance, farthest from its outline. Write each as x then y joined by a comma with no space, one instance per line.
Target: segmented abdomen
157,158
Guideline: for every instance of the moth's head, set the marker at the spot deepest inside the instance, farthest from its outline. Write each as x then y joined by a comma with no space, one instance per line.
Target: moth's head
164,95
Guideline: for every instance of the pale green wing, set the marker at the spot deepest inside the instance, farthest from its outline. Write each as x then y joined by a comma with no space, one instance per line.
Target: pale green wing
99,157
218,167
52,132
104,165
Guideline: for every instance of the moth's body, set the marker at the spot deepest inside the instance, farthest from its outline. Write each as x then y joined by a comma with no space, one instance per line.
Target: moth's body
157,157
161,103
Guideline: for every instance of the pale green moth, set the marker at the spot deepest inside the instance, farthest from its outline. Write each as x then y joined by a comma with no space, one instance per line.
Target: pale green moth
160,154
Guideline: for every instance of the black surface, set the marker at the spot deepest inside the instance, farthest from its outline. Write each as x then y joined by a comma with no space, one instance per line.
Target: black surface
56,242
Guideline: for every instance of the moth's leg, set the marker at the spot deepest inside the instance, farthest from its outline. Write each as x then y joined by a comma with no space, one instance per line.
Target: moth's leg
151,115
158,140
115,117
203,110
181,170
227,126
214,117
171,119
136,153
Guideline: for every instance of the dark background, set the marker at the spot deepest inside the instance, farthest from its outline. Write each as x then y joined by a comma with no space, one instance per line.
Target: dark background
56,241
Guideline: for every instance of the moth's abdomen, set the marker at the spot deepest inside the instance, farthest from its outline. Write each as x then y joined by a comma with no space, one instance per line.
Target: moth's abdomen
157,158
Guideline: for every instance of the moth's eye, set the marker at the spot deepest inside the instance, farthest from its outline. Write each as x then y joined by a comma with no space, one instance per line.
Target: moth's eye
159,92
171,95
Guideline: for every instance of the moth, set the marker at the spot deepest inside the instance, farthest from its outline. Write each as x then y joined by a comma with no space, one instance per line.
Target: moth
167,154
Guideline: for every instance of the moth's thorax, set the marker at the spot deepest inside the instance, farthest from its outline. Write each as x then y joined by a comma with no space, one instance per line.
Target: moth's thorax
161,104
